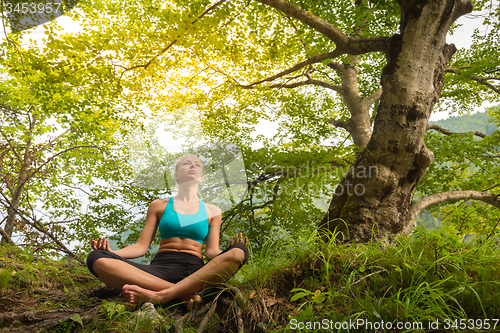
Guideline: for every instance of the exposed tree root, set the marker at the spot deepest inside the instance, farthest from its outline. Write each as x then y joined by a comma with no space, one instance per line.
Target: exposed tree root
223,310
45,319
229,304
206,318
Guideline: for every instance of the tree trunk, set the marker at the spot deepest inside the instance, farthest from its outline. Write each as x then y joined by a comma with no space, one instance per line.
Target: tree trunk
9,223
372,200
21,182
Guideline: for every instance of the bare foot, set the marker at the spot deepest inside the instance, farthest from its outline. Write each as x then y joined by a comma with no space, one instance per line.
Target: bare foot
137,295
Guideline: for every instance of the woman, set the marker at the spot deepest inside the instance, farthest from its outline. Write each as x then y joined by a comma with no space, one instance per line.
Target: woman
178,270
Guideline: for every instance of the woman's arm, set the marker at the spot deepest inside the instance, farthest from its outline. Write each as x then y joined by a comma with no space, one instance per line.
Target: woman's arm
140,247
212,241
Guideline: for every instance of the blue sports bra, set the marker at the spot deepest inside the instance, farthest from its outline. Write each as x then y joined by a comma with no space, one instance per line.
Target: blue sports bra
192,226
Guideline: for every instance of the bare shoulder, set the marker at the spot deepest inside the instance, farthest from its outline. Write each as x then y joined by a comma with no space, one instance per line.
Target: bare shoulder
158,205
212,210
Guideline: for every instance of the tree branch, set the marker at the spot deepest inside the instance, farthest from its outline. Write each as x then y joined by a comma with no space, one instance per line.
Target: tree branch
52,141
312,60
339,123
435,199
11,146
292,174
267,203
324,73
38,226
345,44
478,79
6,237
314,82
54,156
448,132
375,96
484,82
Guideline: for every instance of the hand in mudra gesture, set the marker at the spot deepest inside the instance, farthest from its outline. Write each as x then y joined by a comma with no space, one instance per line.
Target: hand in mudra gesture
100,244
238,238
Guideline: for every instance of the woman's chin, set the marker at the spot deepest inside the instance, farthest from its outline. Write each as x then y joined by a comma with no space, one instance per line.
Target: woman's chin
190,182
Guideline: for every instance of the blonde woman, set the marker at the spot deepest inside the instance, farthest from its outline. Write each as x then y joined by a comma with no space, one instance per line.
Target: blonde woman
177,271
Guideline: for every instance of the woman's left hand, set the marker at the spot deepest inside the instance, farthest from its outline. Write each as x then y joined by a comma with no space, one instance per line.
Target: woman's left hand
238,238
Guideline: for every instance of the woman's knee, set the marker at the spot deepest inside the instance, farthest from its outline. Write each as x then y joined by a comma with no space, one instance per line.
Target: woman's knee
94,259
239,253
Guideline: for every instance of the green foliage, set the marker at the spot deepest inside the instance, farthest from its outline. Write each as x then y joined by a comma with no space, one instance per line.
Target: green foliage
112,309
463,162
313,302
62,128
432,275
480,122
461,92
96,83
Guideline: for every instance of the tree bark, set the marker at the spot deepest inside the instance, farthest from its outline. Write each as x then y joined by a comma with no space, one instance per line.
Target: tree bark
372,200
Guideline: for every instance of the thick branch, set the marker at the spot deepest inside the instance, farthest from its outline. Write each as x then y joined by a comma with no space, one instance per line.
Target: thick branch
448,132
375,96
311,20
435,199
339,123
6,237
345,44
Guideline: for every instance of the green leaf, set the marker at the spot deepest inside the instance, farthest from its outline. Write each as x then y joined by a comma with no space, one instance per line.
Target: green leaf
76,317
298,296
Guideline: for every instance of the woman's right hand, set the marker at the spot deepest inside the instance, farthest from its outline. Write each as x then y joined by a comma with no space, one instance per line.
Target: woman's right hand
100,244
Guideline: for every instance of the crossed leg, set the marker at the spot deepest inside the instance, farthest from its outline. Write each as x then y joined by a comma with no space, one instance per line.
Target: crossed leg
218,270
117,274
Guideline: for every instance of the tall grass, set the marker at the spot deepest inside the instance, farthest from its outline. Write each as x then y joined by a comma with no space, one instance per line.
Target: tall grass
428,277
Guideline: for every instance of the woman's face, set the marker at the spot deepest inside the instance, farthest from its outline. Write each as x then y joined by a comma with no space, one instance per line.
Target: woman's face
189,168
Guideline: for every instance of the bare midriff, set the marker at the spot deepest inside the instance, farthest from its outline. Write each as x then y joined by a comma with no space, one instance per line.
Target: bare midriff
184,245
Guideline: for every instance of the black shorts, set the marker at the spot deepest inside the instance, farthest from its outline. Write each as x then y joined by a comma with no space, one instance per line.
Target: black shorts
169,266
